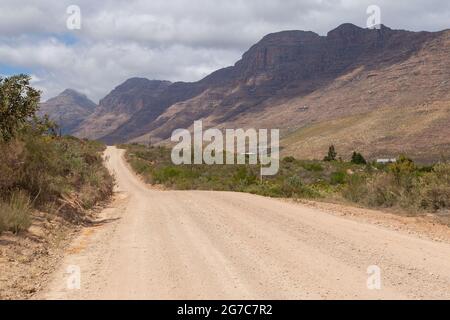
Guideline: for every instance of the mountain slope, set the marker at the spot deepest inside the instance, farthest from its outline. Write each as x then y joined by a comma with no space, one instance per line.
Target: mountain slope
142,120
295,80
421,132
68,109
352,71
120,104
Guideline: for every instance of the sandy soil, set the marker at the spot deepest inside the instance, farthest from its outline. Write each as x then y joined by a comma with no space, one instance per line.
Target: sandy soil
154,244
28,260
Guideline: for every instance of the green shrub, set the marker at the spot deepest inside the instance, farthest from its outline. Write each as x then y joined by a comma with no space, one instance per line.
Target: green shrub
139,165
434,188
272,190
356,189
167,173
382,191
403,169
292,186
357,158
11,159
313,166
289,159
244,176
331,156
294,182
337,178
18,102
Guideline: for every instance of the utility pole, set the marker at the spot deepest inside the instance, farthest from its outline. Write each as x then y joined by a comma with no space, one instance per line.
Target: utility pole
60,126
149,142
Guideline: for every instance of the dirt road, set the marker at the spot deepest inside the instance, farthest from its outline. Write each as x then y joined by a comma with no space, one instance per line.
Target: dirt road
218,245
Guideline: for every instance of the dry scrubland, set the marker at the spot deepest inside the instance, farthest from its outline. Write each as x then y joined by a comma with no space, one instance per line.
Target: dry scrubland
58,175
404,186
48,187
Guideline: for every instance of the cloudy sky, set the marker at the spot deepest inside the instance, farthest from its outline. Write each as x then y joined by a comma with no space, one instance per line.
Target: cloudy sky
169,39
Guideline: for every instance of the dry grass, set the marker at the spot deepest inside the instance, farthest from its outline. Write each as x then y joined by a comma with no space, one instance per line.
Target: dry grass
15,214
66,173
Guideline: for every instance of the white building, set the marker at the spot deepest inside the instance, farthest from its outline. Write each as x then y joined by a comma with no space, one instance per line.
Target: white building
386,161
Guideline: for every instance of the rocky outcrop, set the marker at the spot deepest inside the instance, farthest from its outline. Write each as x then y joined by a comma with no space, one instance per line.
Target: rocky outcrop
120,105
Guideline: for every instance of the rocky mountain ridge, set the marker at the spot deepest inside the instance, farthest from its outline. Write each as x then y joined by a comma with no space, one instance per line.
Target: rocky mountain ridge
297,80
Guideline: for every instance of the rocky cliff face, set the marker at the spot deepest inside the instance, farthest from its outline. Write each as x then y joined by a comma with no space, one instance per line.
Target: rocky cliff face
143,120
132,95
120,105
283,66
68,109
293,80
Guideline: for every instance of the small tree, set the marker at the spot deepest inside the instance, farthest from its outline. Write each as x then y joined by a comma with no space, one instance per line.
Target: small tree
357,158
403,169
331,154
18,102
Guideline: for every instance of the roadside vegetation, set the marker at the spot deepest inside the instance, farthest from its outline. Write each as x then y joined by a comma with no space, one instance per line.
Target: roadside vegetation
402,185
40,170
48,184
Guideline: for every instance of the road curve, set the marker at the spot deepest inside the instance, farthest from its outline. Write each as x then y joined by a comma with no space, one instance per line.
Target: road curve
155,244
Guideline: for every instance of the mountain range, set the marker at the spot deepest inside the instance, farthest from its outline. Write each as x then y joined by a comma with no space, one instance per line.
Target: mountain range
381,92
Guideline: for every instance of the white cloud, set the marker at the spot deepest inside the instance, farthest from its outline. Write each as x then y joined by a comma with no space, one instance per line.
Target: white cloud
95,68
170,39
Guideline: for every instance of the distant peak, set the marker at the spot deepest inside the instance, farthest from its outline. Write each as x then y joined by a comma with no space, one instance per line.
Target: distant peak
70,92
345,29
348,26
290,33
288,36
136,81
349,29
139,80
141,83
383,27
74,97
